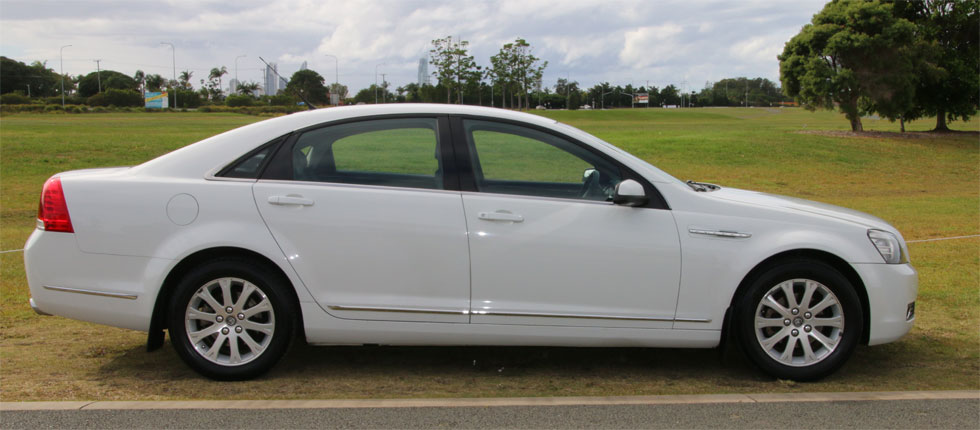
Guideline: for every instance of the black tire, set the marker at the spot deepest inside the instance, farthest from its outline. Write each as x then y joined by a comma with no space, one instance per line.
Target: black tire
801,354
257,349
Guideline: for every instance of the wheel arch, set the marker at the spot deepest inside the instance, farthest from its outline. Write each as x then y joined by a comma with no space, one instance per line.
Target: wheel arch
158,320
832,260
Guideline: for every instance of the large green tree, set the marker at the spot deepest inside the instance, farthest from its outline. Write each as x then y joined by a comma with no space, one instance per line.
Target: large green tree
308,86
35,79
517,69
948,84
89,85
855,53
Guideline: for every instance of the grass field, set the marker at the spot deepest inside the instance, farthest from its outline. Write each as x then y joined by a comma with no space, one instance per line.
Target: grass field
927,185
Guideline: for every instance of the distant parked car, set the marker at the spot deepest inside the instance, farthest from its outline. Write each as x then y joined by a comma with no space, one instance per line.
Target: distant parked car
412,224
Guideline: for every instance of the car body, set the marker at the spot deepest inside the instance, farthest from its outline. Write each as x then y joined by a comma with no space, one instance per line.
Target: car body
418,224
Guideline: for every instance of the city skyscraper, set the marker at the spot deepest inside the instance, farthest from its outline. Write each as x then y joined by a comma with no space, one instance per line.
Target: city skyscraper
272,82
423,71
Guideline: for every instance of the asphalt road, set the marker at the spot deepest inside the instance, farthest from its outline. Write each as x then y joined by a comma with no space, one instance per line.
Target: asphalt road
933,413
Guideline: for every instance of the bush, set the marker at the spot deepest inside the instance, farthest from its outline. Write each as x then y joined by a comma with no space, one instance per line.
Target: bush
114,97
96,100
282,100
238,100
14,99
186,99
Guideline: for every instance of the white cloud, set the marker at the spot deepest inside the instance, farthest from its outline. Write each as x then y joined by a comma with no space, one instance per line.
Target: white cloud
590,41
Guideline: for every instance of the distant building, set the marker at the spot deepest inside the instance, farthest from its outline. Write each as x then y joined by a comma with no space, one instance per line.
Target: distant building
302,66
232,86
423,71
272,82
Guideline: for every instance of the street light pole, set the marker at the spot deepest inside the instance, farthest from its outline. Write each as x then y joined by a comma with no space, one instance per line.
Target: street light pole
173,59
237,82
61,58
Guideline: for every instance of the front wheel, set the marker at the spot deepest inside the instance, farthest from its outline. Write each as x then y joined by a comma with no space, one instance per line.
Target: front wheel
800,320
231,320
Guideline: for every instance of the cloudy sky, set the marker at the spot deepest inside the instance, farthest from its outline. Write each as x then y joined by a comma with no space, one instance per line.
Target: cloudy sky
684,43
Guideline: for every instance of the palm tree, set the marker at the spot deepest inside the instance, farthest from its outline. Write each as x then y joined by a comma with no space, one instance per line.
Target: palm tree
247,88
217,73
185,79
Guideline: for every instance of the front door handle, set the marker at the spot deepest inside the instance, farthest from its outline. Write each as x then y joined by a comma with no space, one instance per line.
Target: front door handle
500,216
290,201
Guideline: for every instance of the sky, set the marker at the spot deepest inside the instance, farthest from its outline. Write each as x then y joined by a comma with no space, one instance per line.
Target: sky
684,43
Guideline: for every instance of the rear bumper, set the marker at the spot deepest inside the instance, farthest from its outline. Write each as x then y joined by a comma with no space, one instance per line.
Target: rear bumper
114,290
891,289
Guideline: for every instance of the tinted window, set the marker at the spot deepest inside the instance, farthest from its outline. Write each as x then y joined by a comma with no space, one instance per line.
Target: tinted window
390,152
250,166
510,159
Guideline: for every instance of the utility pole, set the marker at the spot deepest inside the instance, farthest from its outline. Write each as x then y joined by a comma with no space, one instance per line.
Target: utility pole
61,57
98,73
173,59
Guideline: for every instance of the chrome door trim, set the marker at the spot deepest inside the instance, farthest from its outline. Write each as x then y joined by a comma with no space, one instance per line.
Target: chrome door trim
720,233
402,310
513,314
92,292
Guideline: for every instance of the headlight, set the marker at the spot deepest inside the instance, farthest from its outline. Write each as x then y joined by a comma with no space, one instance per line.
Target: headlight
888,246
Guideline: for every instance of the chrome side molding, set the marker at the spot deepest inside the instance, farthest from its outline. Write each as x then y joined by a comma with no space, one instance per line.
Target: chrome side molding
92,292
720,233
513,314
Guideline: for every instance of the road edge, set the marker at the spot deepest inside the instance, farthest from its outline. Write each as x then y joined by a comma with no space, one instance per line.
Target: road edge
491,402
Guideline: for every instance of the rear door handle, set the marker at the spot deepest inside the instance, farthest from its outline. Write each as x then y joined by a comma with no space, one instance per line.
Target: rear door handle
500,216
290,201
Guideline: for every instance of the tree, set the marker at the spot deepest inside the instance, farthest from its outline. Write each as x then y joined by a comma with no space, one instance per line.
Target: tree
248,88
453,65
185,79
948,85
853,50
213,85
34,79
89,85
154,82
517,68
308,86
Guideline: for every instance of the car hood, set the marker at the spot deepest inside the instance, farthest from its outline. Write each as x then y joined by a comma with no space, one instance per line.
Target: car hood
801,205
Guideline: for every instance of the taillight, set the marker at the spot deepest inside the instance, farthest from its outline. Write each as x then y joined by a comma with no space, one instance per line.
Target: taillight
52,212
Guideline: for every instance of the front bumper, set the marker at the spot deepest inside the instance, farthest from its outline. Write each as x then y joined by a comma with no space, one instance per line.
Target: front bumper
891,288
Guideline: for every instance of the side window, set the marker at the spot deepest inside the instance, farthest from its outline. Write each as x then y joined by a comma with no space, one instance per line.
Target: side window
510,159
389,152
249,166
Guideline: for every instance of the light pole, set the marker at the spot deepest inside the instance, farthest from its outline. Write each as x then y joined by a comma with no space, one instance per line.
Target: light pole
376,82
61,58
173,58
237,82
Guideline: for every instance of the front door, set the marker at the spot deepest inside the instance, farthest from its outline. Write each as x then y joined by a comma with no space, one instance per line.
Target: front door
547,246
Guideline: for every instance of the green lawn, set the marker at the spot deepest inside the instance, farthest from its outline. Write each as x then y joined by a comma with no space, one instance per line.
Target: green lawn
927,185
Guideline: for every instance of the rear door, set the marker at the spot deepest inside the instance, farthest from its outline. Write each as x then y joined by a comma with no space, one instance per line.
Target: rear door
366,215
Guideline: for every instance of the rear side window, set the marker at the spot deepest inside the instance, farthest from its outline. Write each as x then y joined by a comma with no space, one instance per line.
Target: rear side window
250,166
386,152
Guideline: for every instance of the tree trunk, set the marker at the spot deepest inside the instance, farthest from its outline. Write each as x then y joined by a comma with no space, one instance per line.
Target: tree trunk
901,123
856,123
449,94
941,121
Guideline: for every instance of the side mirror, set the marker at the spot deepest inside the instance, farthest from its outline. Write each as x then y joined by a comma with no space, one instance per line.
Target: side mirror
630,193
588,173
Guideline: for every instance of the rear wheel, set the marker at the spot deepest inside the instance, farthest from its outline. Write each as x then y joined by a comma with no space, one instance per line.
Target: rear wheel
799,320
231,320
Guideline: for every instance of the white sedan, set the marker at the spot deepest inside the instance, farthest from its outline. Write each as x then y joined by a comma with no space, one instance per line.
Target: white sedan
455,225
